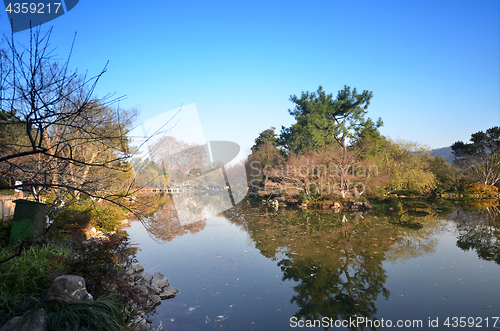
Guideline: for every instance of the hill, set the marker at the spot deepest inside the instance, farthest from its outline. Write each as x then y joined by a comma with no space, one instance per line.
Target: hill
445,152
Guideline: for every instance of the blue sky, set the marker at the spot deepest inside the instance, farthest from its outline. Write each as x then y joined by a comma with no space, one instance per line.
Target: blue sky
433,66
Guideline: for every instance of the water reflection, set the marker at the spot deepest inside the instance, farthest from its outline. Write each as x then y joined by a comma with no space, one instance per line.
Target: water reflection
336,259
165,225
409,265
478,228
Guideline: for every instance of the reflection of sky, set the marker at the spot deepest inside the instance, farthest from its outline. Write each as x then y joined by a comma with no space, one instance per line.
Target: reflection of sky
448,282
220,272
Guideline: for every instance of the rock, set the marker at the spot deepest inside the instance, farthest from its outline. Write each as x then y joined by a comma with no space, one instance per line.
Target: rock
152,291
69,288
168,292
134,268
159,281
138,277
31,321
140,324
143,289
155,300
146,279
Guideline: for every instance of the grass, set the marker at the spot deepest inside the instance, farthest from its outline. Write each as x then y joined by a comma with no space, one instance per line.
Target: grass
24,279
104,314
28,272
17,305
24,283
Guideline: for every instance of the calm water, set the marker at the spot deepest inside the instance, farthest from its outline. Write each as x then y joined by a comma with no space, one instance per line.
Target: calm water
256,269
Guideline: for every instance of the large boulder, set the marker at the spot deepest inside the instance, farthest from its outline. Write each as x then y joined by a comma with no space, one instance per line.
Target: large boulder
69,288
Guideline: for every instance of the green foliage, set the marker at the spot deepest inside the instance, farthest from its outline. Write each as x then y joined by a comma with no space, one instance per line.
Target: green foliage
406,166
464,184
5,227
11,306
446,175
104,314
102,262
266,137
24,281
323,120
481,157
29,272
407,192
84,213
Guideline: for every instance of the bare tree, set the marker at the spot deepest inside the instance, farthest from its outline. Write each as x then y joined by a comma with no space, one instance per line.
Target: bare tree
69,141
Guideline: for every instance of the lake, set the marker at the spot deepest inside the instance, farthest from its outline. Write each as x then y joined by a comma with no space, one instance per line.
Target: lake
253,268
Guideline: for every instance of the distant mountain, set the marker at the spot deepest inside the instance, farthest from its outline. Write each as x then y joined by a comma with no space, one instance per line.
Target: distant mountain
445,153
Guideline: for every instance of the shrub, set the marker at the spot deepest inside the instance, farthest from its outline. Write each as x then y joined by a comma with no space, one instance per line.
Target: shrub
102,262
476,188
84,214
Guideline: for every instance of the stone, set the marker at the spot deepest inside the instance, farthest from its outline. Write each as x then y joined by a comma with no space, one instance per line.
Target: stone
152,291
140,324
146,279
134,268
137,277
143,289
159,281
155,300
168,292
69,288
31,321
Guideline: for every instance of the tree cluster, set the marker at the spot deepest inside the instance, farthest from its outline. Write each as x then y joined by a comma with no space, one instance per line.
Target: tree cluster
480,159
340,151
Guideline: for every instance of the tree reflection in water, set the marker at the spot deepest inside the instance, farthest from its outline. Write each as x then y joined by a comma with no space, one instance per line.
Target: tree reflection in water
336,259
164,225
479,229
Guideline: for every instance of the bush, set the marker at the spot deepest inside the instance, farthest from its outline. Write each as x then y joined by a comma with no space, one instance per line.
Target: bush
84,214
476,188
102,262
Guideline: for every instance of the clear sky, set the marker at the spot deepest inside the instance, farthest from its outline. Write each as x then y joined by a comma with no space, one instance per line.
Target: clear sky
433,66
